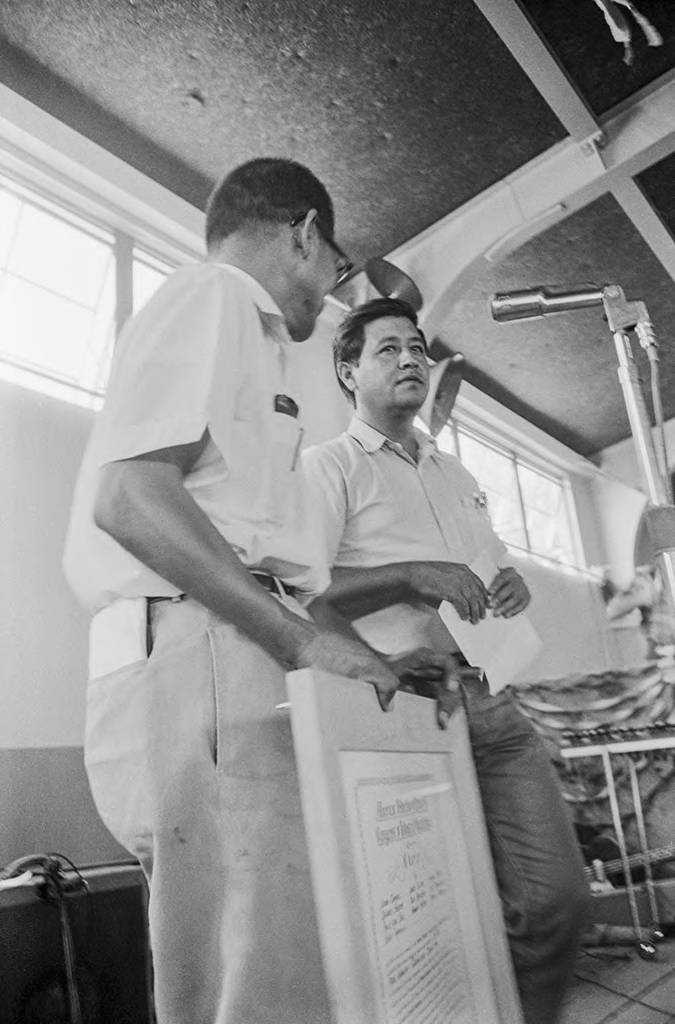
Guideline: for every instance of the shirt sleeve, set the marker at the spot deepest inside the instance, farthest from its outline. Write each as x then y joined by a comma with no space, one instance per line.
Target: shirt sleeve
170,366
327,494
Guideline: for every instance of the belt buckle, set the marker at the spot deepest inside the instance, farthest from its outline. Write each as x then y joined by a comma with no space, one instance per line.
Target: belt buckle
473,682
272,583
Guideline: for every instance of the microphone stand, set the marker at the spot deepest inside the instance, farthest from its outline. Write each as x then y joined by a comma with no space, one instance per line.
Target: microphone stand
622,316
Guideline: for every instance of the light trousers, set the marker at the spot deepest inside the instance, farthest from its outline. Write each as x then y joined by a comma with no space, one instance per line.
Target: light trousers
192,769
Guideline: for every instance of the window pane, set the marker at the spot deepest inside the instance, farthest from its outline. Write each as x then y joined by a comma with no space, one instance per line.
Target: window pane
148,275
57,296
495,472
546,515
54,254
43,330
10,207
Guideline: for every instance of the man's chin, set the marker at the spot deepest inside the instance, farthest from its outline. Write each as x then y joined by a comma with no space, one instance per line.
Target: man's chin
301,329
411,397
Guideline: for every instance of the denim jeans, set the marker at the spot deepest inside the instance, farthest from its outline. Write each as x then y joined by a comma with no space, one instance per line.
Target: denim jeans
545,897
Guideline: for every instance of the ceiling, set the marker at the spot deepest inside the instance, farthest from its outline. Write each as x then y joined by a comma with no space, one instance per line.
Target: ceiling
412,114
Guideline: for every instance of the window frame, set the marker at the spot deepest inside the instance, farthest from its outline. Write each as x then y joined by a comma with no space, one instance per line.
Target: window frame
126,246
522,457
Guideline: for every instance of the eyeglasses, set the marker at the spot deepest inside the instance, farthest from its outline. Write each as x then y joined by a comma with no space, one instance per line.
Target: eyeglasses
344,265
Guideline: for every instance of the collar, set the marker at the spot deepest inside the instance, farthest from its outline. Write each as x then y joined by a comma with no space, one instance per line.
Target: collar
371,439
260,295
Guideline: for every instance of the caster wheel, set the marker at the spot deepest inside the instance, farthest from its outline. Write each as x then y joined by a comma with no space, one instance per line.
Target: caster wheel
656,935
647,951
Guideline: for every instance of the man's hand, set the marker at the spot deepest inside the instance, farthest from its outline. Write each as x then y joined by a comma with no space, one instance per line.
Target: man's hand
332,652
508,593
418,666
433,582
432,675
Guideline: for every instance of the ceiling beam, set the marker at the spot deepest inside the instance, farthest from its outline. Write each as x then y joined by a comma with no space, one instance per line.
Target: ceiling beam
635,205
528,47
47,154
641,132
447,256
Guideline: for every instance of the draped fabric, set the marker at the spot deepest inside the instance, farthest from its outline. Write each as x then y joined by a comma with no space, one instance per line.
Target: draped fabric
635,700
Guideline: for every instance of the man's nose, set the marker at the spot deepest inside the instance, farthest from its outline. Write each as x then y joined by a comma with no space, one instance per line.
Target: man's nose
407,357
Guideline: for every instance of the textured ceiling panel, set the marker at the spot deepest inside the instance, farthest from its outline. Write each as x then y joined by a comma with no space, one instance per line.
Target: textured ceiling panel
560,371
580,37
658,183
46,90
405,110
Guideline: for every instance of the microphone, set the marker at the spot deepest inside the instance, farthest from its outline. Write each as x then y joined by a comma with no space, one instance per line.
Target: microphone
532,302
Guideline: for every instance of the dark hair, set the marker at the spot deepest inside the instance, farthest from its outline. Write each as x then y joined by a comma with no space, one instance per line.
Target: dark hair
266,190
350,338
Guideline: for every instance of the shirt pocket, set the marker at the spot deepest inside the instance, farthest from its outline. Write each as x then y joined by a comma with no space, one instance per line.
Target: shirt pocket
278,476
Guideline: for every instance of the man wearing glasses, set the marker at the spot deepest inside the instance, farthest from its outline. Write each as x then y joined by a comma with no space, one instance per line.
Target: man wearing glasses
191,545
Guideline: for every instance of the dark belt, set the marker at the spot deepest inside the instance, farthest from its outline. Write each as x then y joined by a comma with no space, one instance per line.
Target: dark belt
271,583
472,680
475,686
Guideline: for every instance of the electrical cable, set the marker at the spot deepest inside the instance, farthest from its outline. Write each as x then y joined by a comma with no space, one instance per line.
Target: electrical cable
59,882
657,406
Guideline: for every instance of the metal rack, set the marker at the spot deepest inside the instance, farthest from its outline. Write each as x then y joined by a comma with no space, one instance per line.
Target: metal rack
606,744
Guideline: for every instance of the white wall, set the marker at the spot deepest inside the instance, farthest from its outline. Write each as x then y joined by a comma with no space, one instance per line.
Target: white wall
568,613
620,496
42,630
45,802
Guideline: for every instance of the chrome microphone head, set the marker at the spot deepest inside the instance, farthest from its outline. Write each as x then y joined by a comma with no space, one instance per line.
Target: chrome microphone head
531,302
520,305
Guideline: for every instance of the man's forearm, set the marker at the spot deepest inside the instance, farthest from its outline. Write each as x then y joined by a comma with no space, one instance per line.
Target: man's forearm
145,507
360,591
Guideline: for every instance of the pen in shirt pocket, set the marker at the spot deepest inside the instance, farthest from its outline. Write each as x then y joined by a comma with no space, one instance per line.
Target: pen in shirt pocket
287,406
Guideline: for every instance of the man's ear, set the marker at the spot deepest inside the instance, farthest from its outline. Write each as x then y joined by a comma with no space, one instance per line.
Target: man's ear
346,375
305,233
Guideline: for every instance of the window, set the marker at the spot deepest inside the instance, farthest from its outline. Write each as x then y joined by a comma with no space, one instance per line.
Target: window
496,473
58,295
147,275
531,509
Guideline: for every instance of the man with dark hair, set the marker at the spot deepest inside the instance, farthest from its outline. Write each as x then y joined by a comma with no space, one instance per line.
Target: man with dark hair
268,191
191,544
403,522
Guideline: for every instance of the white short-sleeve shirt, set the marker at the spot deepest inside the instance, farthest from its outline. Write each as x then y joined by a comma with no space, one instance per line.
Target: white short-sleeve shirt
379,506
208,352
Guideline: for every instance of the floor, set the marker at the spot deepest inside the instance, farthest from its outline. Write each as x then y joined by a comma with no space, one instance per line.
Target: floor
614,985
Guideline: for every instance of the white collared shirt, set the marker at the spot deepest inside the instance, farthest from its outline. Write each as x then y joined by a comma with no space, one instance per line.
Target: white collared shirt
208,352
380,506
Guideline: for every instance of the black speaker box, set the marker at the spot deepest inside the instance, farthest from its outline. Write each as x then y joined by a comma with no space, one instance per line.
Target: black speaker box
109,930
612,907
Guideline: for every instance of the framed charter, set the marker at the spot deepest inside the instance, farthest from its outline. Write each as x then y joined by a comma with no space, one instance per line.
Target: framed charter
408,911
